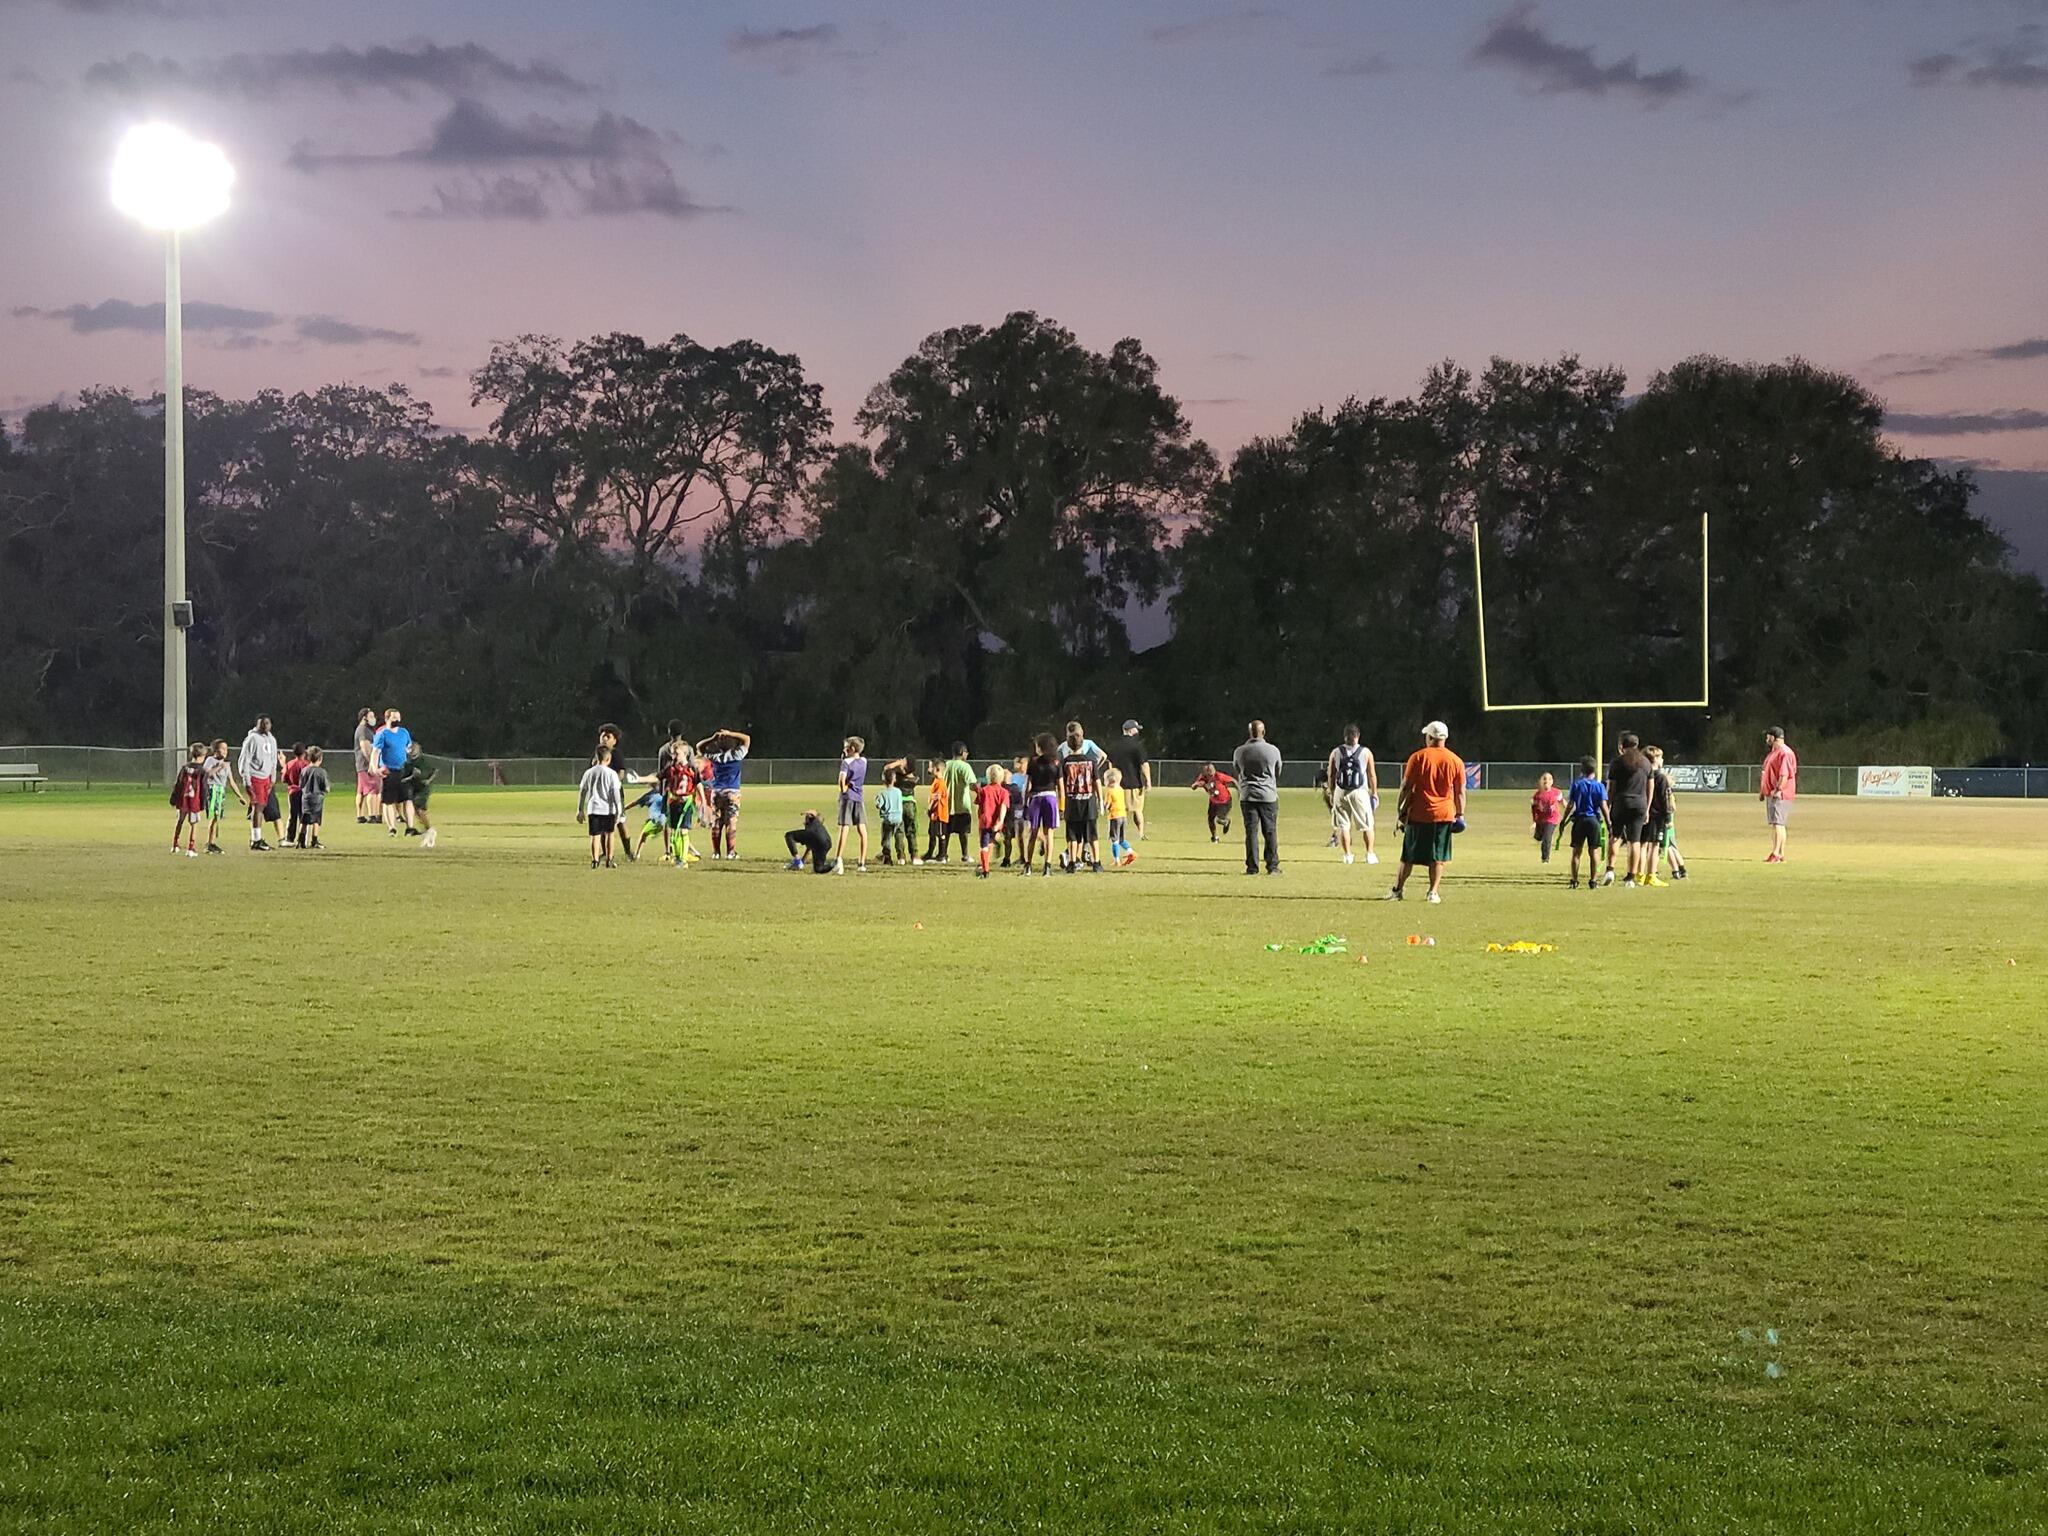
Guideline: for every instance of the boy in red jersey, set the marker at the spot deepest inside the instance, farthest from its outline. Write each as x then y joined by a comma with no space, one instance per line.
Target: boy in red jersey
188,799
992,807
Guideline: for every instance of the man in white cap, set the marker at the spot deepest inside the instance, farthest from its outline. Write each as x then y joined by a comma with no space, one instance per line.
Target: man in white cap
1431,809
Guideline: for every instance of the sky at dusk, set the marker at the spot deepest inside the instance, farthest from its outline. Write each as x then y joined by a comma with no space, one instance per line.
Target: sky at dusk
1288,203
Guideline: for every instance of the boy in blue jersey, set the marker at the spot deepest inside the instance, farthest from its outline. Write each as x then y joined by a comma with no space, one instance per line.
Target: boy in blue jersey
727,750
1585,803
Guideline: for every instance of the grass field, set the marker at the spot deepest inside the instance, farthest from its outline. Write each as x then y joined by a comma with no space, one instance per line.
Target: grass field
468,1189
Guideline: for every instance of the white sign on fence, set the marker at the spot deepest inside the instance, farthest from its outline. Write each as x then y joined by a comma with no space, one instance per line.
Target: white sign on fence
1895,783
1698,776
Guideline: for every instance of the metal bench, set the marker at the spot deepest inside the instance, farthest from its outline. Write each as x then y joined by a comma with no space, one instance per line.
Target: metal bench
27,775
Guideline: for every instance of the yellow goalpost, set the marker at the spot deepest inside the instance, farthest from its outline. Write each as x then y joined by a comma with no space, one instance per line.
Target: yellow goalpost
1598,706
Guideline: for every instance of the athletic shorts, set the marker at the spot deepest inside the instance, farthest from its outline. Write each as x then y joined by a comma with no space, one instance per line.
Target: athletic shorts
217,801
1630,823
960,824
989,837
725,807
601,822
1043,813
1353,809
1080,821
1658,830
367,783
313,812
259,794
1777,812
1426,842
394,791
852,812
1585,834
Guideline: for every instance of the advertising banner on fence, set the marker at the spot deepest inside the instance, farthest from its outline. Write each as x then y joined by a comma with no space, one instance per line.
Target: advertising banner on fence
1698,776
1896,783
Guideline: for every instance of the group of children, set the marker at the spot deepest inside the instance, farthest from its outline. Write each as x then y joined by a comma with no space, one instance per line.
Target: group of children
262,775
692,783
1634,811
1011,813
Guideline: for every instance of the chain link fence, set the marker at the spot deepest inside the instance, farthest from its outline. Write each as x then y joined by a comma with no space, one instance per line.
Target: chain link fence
144,767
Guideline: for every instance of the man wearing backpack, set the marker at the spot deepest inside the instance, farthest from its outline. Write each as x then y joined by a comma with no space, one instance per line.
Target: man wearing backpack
1354,781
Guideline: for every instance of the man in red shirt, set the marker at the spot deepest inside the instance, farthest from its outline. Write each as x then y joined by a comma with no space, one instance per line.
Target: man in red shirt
1778,788
1431,809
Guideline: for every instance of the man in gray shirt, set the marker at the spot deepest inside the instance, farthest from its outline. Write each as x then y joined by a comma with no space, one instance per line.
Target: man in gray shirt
1258,797
369,798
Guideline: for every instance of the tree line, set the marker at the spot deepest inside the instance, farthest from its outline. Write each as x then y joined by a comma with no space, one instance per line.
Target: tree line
650,530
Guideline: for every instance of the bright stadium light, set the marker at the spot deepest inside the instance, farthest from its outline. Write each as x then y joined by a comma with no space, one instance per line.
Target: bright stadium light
167,180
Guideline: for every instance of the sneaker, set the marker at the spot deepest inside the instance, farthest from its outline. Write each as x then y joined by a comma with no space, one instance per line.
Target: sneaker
432,833
1574,885
1433,899
1274,870
860,869
632,857
1251,869
1627,881
1347,858
839,866
1655,882
793,865
259,846
1608,878
981,874
1129,860
1774,858
1394,895
593,863
318,846
919,864
611,863
213,848
1372,858
394,831
414,832
176,850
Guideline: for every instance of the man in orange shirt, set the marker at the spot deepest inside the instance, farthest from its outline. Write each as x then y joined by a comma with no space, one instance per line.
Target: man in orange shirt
1431,808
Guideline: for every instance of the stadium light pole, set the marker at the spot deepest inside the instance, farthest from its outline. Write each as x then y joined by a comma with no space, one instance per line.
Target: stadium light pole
166,180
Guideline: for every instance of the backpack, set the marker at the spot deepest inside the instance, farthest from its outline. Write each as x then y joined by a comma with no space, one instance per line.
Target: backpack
1351,767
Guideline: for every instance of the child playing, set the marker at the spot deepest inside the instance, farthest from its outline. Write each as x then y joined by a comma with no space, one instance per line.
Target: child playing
1587,806
1546,810
1219,787
1013,829
810,840
599,804
312,797
188,799
657,819
938,814
853,809
1663,819
889,812
294,768
419,783
1116,806
220,778
683,799
992,806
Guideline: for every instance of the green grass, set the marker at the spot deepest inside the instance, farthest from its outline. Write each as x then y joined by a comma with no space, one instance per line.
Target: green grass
469,1189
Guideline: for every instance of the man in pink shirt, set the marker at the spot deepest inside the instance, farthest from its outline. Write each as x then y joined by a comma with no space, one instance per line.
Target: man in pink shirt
1778,787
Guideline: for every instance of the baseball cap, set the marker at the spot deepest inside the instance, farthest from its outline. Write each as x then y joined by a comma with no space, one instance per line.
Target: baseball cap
1132,725
1436,730
1777,731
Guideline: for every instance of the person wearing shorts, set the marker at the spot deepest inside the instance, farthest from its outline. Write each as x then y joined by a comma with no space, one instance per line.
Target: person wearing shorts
600,801
369,805
1585,806
1628,817
389,747
727,750
1042,814
1015,830
1134,762
1778,787
992,811
853,812
1080,769
258,763
313,788
960,785
1354,794
220,779
1431,809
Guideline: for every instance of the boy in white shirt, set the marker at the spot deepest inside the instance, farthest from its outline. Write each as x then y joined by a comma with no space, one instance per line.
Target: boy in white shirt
600,802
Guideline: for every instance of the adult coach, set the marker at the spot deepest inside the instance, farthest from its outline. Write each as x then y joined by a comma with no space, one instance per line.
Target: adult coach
1354,792
258,764
1778,788
1258,797
1135,764
369,805
1628,810
390,746
1431,807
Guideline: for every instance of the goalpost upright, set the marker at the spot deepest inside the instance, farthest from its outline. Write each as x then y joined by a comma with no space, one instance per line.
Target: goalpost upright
1598,706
